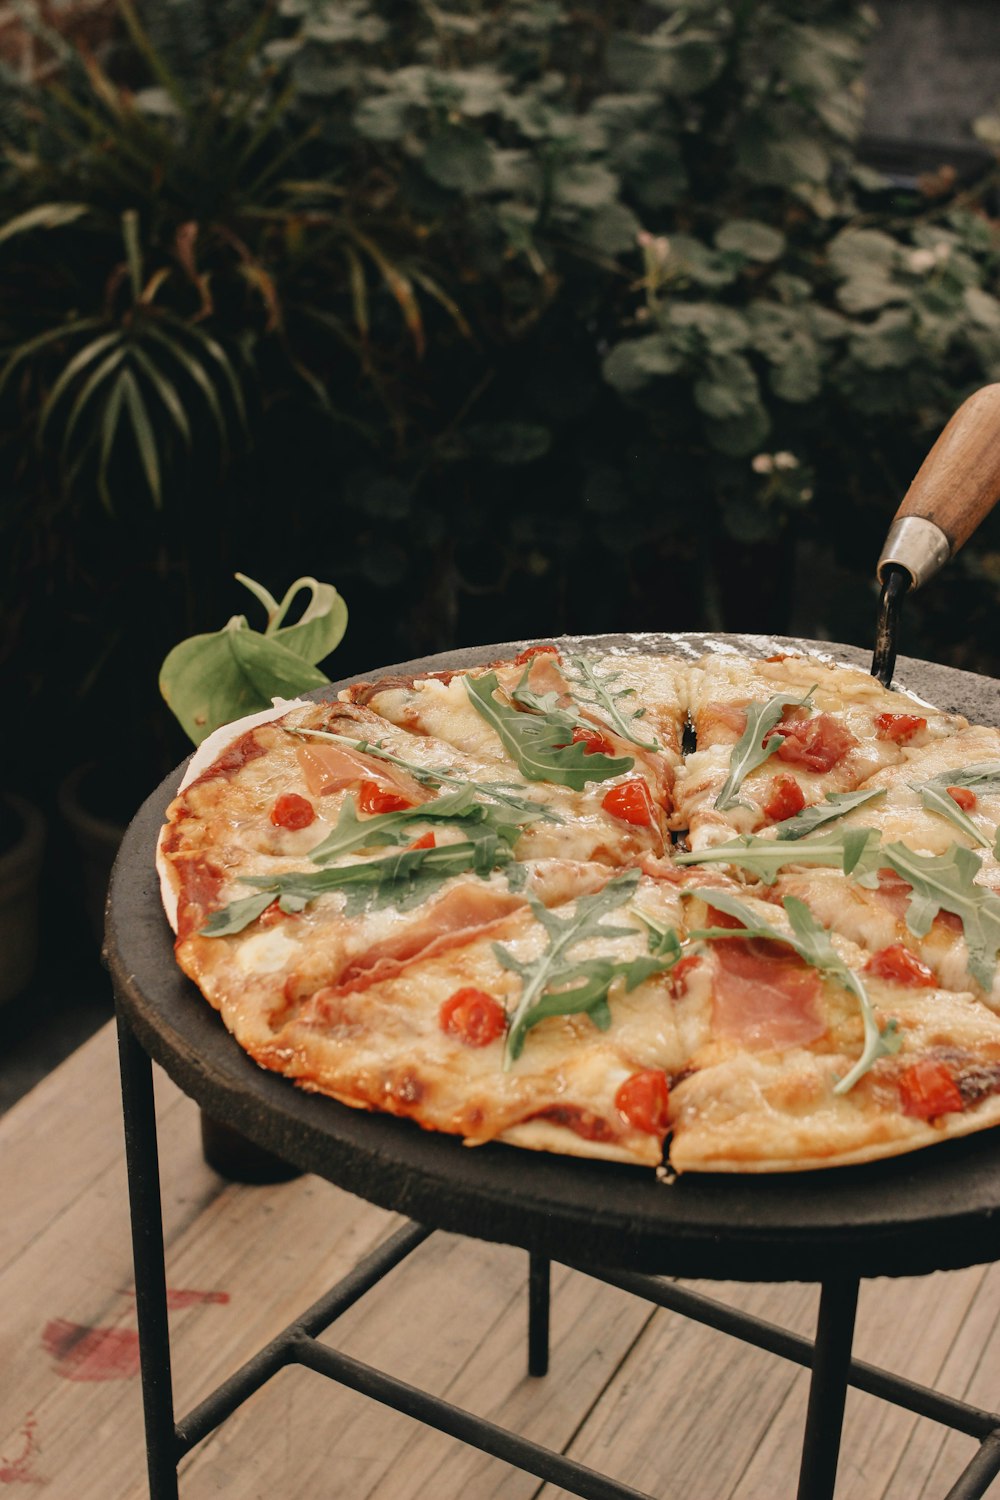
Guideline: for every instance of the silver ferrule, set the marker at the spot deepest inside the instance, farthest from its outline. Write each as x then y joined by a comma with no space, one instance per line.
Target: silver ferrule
918,545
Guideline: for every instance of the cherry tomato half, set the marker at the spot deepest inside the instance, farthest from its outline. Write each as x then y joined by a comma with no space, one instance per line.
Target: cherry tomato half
473,1016
900,728
630,801
292,811
426,841
964,796
644,1101
927,1088
785,798
373,798
897,964
523,657
593,741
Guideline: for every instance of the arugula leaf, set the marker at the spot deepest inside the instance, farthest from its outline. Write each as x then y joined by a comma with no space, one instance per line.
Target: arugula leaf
589,688
811,941
978,775
496,791
837,804
537,741
237,915
352,832
947,881
753,747
402,880
554,984
848,848
662,940
937,800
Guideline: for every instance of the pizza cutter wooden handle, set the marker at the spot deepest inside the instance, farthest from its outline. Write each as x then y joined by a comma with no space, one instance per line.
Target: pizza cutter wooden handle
957,485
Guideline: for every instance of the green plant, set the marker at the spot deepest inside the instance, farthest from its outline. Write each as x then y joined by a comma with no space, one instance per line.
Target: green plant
210,680
535,317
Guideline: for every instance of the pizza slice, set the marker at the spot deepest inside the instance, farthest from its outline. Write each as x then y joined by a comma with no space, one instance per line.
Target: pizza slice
597,721
775,737
555,1031
817,1055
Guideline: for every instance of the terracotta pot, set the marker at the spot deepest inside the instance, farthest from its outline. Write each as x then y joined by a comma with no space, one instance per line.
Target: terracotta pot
20,870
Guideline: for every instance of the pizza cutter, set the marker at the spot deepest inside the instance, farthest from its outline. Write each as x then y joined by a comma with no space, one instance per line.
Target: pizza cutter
956,487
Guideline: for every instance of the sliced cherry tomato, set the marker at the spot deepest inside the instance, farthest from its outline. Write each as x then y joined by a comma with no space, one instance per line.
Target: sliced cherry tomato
817,743
426,841
927,1088
785,798
630,801
523,657
964,796
900,728
272,915
292,811
472,1015
593,741
644,1101
677,979
373,798
897,964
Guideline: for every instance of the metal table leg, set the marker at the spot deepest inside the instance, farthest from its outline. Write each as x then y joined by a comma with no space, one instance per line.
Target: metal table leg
831,1367
538,1315
146,1213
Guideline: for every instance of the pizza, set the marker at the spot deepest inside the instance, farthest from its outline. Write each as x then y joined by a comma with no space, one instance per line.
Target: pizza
724,915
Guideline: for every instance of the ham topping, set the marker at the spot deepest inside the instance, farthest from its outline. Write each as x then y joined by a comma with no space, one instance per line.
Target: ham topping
330,768
765,997
461,915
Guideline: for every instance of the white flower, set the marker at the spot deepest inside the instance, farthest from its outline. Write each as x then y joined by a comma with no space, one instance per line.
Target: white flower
762,463
807,494
921,261
785,460
941,251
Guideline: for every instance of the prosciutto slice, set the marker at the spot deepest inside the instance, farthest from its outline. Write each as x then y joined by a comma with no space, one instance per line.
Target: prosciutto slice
464,913
329,768
764,997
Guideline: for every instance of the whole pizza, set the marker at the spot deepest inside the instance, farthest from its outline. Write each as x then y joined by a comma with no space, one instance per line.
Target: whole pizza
727,915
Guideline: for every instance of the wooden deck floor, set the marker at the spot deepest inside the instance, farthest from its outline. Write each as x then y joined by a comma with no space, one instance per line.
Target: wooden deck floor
669,1407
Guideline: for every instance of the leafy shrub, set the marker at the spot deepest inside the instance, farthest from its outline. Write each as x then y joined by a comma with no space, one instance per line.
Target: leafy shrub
512,318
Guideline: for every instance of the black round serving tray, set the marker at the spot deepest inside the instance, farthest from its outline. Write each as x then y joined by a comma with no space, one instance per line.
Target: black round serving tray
937,1209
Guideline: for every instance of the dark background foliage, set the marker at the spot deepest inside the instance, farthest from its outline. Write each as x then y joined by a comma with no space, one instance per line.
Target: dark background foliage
509,319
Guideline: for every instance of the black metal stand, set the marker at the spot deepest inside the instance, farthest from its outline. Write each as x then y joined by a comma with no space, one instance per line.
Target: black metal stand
829,1355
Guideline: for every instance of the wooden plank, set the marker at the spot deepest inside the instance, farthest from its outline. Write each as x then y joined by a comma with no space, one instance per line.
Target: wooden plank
452,1320
689,1405
70,1409
933,1459
906,1325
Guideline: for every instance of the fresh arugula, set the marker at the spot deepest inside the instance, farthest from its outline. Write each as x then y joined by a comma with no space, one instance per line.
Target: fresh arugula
936,799
811,941
980,774
402,880
556,984
934,795
352,832
850,849
495,791
537,742
835,806
754,747
947,882
598,692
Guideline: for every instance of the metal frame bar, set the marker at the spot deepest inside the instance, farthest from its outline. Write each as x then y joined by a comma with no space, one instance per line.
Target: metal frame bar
828,1355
